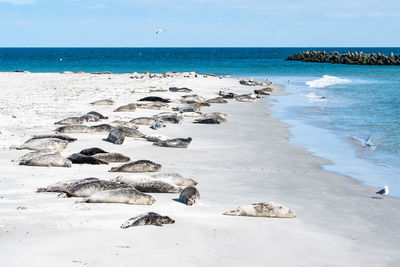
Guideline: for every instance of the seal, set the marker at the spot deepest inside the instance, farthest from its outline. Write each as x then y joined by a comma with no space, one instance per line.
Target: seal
191,99
174,178
115,137
221,117
170,118
155,99
207,121
101,128
149,218
67,185
111,157
176,142
49,160
78,158
245,98
130,132
154,105
156,137
138,166
127,108
103,102
194,114
180,89
217,100
156,187
125,124
88,188
71,121
143,121
73,129
190,195
121,195
225,95
263,91
265,209
57,136
89,117
49,143
92,151
157,125
34,154
99,115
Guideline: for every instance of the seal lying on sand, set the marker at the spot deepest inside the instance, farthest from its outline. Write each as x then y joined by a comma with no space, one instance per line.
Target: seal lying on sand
57,136
49,143
263,91
78,158
171,178
207,121
128,124
103,102
129,132
156,137
111,157
67,185
265,209
190,195
78,120
156,187
138,166
181,89
189,99
34,154
144,121
155,99
49,160
126,108
121,195
73,129
115,137
92,151
176,142
101,128
157,125
217,100
169,118
221,117
88,188
245,98
225,95
101,117
154,105
149,218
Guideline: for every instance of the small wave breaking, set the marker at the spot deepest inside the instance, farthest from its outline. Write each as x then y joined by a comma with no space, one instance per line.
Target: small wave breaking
313,97
326,81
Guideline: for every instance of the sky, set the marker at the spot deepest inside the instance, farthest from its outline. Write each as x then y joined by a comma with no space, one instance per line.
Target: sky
199,23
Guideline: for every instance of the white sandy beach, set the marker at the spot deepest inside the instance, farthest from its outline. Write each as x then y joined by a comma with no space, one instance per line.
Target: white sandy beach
246,160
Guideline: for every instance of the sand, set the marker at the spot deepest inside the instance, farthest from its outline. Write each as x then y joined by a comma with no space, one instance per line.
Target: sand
246,160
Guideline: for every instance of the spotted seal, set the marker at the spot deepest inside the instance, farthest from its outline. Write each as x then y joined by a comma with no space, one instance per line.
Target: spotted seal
126,108
138,166
176,142
92,151
121,195
190,195
155,99
48,160
50,143
103,102
149,218
265,209
111,157
115,137
156,187
78,158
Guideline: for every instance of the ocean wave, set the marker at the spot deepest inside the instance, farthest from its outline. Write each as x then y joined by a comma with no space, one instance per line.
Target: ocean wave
364,143
313,97
326,81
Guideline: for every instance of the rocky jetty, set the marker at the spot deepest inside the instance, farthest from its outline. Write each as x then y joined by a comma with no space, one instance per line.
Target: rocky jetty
350,58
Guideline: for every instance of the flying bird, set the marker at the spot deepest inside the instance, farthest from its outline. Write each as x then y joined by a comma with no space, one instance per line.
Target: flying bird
384,191
159,30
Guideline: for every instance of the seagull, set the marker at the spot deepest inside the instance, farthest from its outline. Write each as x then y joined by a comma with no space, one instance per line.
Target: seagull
159,30
384,191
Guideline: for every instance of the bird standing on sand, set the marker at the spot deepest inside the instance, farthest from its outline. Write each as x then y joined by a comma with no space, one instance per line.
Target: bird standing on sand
384,191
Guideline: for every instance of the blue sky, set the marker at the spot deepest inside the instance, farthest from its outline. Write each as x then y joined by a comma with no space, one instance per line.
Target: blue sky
199,23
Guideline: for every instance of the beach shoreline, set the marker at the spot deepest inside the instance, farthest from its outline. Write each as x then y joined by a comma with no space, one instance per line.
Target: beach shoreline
337,220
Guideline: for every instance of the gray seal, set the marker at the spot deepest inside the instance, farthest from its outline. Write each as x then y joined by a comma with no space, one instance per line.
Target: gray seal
79,158
121,195
73,129
170,118
217,100
174,178
86,189
157,125
190,195
67,185
34,154
92,151
263,91
143,121
130,132
138,166
111,157
180,89
265,209
191,99
57,136
49,143
115,137
103,102
245,98
207,121
155,99
49,160
176,142
149,218
156,187
99,115
154,105
126,108
101,128
225,95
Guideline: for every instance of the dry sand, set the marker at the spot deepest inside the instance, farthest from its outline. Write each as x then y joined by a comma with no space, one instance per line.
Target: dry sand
246,160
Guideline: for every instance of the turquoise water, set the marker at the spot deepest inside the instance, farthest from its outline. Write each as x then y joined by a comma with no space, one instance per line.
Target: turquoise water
351,118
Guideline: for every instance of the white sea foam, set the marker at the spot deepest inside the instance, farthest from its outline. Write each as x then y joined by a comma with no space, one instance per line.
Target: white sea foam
313,97
326,81
364,143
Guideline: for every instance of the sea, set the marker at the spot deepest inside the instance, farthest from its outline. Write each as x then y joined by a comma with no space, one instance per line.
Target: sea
348,114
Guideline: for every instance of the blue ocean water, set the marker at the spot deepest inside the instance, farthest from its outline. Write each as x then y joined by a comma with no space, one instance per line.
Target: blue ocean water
351,116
